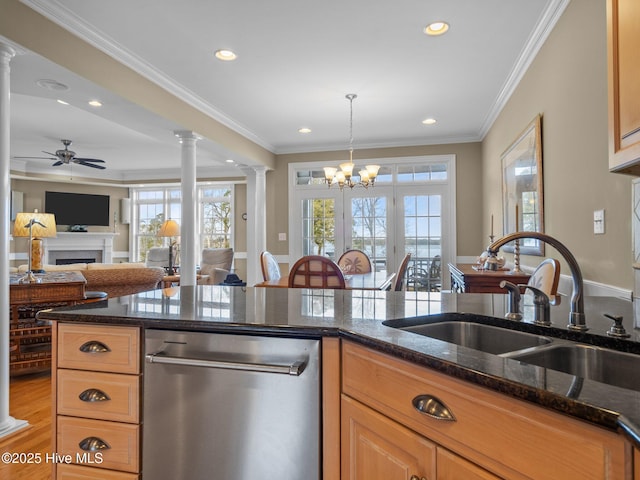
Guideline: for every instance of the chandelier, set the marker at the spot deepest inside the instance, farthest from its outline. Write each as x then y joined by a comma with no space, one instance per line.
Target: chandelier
344,176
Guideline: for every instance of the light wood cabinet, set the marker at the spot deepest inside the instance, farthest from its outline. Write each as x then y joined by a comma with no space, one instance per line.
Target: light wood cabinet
76,472
453,467
497,435
375,447
636,464
623,44
97,392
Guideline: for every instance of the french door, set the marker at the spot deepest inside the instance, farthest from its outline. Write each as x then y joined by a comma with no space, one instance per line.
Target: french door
387,221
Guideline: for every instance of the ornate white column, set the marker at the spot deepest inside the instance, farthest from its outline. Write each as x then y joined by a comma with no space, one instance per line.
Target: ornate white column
188,241
256,220
8,424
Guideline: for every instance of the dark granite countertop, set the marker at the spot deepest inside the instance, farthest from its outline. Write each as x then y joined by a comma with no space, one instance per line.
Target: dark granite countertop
359,315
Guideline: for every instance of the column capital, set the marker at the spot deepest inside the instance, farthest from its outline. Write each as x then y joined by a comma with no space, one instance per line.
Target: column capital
7,52
255,169
186,135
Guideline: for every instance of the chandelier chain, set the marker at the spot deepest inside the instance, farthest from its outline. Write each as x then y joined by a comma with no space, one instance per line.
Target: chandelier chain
351,96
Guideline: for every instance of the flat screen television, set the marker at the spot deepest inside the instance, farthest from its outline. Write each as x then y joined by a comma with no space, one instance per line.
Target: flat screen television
78,208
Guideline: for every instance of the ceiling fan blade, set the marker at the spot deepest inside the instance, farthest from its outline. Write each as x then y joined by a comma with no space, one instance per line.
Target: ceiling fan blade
58,163
90,165
87,159
49,153
44,158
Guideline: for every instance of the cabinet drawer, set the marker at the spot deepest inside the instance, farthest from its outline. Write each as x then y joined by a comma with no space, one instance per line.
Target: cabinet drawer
122,441
77,472
509,437
104,396
99,348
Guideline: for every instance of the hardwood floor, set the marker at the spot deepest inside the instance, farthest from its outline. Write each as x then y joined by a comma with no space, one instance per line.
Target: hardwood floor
30,399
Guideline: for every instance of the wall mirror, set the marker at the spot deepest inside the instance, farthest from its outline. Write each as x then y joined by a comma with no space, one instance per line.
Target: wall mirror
522,198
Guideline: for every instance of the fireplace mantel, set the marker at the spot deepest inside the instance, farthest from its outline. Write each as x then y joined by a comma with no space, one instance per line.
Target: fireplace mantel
80,241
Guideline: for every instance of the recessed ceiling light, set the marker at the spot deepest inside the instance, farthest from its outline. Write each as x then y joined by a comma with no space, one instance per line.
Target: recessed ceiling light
436,28
52,85
95,103
225,55
228,160
62,102
429,121
304,130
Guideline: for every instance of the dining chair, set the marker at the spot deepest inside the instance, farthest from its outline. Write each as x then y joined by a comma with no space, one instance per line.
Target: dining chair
546,277
316,271
398,280
270,267
355,261
426,279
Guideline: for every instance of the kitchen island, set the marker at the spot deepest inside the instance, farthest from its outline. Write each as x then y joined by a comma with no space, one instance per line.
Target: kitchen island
356,318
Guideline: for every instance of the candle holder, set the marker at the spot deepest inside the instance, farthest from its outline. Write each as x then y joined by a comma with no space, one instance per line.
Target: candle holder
516,257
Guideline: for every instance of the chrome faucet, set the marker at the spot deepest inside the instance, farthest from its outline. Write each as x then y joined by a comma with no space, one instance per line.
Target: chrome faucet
577,320
514,300
542,311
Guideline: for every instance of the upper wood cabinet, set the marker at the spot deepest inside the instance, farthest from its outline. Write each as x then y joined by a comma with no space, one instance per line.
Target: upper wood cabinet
623,44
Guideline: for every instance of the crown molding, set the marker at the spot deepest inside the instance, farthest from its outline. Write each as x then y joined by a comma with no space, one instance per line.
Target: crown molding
548,20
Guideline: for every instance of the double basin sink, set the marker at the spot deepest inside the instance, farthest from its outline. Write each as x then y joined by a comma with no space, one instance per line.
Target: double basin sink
581,360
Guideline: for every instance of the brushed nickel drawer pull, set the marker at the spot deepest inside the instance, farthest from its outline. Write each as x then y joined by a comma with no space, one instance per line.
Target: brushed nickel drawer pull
94,346
93,444
433,407
416,477
93,395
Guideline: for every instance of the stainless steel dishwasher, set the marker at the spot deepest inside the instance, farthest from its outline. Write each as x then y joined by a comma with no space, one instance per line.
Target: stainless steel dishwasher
230,407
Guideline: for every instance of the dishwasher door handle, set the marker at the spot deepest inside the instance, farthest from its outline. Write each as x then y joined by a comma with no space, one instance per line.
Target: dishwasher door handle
295,369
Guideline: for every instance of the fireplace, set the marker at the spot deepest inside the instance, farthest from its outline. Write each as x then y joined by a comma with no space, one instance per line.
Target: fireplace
65,257
76,247
69,261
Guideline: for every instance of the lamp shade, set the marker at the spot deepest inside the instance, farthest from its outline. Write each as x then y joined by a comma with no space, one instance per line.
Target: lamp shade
41,225
170,228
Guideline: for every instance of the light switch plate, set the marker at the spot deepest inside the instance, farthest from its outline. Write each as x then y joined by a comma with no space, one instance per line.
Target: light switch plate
598,222
282,237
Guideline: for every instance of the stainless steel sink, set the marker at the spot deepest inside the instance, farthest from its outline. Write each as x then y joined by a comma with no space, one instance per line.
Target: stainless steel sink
586,361
478,336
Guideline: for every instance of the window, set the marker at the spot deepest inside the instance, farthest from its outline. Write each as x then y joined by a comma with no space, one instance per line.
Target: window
215,219
152,206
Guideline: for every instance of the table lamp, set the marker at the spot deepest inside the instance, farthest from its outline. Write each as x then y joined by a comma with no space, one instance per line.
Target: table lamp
36,226
170,228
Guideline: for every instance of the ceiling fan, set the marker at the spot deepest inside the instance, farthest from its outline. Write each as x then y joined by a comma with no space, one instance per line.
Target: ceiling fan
67,156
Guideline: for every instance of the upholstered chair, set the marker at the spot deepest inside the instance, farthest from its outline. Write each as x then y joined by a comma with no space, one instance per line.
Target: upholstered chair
270,267
215,265
546,277
158,257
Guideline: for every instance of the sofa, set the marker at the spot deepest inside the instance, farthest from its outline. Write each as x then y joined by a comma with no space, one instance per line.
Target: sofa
115,279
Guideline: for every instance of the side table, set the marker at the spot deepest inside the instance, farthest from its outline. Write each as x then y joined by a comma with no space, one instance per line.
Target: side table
30,339
465,279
